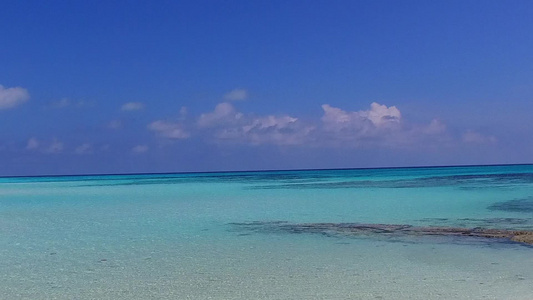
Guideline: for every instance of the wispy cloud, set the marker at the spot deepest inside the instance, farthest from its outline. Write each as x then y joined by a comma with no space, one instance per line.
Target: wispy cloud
380,126
132,106
55,147
11,97
32,144
61,103
114,124
51,147
139,149
66,102
85,148
169,129
472,137
236,95
183,112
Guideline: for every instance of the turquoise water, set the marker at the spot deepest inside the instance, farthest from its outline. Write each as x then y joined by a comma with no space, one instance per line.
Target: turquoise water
176,236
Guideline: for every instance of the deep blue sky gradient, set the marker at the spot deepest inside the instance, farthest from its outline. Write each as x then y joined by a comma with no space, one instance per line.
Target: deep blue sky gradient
468,64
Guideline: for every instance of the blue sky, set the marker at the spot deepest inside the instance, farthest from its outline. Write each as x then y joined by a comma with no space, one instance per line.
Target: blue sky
169,86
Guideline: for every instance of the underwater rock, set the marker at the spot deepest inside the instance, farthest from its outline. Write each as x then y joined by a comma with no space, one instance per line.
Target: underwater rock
390,230
525,237
515,205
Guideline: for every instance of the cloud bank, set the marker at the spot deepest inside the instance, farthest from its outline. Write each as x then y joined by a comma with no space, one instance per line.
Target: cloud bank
380,125
377,127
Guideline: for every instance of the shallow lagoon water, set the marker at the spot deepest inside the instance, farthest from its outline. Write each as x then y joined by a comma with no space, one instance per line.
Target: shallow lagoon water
173,236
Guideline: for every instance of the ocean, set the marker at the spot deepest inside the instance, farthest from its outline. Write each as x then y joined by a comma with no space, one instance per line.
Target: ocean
311,234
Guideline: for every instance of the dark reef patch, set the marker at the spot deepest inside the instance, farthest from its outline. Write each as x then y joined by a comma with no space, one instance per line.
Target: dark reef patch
390,231
515,205
514,223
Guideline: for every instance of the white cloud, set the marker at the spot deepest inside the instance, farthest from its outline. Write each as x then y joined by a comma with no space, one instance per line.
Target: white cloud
381,115
11,97
472,137
139,149
169,129
236,95
224,113
378,116
360,127
85,148
131,106
32,144
379,126
225,123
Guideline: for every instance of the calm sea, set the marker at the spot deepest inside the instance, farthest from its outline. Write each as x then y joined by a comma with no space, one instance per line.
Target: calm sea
221,236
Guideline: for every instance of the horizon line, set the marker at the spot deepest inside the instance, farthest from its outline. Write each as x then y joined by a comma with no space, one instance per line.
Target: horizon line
262,170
